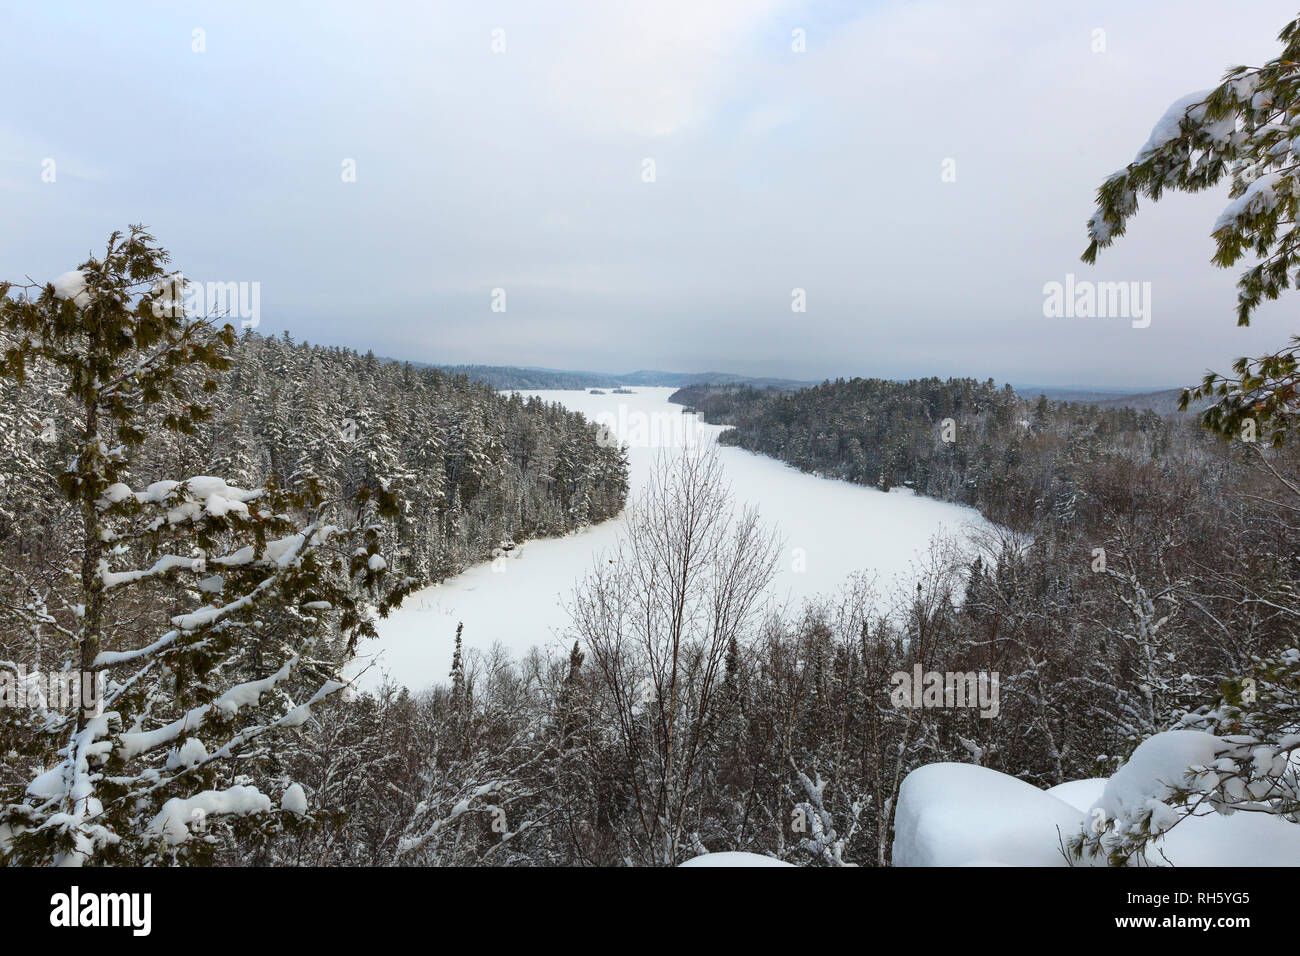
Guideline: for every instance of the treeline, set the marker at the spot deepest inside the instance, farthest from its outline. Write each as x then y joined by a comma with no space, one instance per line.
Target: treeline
472,468
1018,461
510,376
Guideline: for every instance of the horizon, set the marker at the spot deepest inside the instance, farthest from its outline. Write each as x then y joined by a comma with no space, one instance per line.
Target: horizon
1119,390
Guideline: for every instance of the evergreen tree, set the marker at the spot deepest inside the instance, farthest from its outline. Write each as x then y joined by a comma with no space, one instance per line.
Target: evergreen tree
1240,130
268,584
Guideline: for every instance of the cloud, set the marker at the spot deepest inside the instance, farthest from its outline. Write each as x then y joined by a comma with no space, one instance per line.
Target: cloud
774,170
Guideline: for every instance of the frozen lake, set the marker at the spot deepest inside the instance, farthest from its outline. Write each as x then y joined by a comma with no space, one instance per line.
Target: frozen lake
831,528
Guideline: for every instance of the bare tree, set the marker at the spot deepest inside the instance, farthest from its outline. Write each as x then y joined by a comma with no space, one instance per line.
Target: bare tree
657,616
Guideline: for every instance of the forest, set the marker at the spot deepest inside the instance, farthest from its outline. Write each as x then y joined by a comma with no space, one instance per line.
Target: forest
476,469
1140,575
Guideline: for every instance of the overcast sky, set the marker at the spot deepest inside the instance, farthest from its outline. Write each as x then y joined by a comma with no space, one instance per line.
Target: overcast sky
523,170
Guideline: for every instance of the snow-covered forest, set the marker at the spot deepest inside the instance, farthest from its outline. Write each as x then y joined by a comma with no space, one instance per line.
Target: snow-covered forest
1138,580
991,628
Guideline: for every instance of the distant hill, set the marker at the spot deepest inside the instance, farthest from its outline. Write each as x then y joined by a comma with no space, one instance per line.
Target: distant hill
528,377
1072,393
1162,401
523,377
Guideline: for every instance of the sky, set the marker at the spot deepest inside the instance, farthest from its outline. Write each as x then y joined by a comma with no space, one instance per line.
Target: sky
920,170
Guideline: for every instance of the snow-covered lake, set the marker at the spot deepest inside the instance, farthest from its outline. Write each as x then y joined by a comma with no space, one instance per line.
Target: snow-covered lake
832,528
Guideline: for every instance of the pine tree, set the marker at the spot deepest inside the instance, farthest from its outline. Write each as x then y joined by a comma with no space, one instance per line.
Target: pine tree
272,585
1241,130
458,692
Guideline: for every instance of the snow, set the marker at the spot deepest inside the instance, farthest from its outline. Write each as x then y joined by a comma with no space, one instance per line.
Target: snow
168,562
1167,128
959,814
1080,794
244,555
117,492
1260,196
1177,759
203,495
179,817
248,693
200,618
228,704
72,285
1243,88
49,785
733,859
964,815
1159,764
283,551
834,527
157,491
294,799
1243,839
189,754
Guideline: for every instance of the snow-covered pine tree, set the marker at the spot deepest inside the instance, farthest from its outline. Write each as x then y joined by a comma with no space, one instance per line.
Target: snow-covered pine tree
200,620
1245,744
1246,129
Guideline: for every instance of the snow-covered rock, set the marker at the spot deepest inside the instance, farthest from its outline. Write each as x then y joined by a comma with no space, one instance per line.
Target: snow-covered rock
958,814
734,859
1242,839
1080,794
1179,758
965,815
